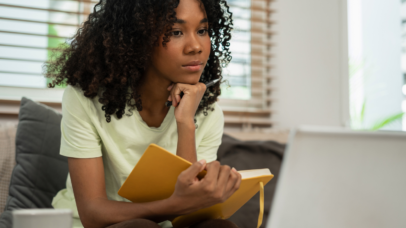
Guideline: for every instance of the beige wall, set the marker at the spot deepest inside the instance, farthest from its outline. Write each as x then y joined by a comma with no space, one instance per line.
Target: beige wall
310,63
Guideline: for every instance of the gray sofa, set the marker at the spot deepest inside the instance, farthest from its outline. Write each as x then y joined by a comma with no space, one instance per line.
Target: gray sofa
40,172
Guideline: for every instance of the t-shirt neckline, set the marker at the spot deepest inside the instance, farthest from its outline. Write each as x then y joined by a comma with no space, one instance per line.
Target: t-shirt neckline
164,123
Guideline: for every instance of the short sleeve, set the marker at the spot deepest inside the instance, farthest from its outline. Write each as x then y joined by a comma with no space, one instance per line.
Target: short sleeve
79,138
208,147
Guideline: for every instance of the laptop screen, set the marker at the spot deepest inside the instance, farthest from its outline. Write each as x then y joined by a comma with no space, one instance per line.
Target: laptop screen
341,178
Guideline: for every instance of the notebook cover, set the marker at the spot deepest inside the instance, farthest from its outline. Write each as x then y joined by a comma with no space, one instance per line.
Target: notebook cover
154,178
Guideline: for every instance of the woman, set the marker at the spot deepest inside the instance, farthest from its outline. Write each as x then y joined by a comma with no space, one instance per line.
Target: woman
127,60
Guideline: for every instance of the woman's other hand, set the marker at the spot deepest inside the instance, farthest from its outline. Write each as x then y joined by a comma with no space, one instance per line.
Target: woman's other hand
187,105
192,194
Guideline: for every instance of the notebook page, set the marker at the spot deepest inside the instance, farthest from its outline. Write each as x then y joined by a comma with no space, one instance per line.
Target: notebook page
254,173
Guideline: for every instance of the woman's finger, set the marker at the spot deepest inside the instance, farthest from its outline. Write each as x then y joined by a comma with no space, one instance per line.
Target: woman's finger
237,184
223,178
170,87
174,101
176,91
232,180
178,98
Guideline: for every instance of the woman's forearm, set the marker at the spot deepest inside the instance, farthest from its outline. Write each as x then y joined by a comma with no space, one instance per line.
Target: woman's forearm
101,213
186,141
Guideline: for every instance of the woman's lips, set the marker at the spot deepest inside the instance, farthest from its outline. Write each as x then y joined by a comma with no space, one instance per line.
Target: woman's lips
192,67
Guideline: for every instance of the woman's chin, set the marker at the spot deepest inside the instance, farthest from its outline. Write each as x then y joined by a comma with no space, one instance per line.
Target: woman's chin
190,79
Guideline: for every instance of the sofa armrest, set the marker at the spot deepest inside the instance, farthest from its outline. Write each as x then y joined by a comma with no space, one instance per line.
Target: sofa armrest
7,159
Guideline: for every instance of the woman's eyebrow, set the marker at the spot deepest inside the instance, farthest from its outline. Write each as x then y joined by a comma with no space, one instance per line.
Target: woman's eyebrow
181,21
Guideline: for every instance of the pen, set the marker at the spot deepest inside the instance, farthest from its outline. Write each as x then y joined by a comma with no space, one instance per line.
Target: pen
210,83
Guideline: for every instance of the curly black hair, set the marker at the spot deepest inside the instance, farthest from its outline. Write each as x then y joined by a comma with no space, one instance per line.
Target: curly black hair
111,49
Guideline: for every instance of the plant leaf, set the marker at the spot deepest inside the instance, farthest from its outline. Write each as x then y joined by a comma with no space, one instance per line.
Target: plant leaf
387,121
362,114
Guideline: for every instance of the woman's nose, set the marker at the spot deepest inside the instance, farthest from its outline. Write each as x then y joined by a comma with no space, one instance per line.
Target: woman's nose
193,45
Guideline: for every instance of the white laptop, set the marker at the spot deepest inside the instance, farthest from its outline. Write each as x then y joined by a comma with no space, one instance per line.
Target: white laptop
337,178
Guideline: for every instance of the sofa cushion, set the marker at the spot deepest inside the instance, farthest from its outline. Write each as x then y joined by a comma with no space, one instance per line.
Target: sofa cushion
245,155
7,159
40,171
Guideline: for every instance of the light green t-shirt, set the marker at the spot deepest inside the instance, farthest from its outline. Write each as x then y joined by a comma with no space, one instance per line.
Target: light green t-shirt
121,143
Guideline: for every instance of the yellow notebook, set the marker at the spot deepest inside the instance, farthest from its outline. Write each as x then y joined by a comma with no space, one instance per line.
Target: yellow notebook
155,175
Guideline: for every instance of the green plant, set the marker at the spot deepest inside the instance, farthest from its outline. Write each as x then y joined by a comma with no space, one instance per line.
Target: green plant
54,43
357,110
380,124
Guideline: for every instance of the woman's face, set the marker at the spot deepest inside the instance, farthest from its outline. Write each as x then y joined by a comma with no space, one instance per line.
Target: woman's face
186,54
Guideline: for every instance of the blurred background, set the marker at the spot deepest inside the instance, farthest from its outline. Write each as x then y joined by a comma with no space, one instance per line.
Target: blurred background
318,62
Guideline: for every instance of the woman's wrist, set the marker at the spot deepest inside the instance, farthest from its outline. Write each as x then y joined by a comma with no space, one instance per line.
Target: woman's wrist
186,124
175,206
186,141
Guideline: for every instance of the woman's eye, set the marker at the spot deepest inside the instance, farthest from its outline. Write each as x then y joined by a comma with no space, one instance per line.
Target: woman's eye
202,31
176,33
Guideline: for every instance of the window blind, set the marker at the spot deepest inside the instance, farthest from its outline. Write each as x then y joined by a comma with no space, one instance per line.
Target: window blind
29,31
252,25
